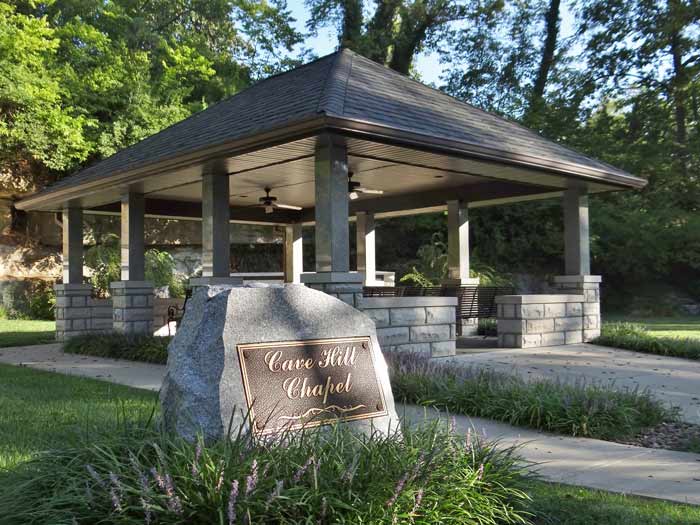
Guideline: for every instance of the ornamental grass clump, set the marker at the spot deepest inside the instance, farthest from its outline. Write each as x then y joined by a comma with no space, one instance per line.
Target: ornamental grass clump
576,408
425,475
632,336
115,345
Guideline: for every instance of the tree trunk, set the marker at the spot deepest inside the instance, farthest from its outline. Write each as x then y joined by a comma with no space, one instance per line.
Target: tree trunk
352,25
679,83
380,31
551,22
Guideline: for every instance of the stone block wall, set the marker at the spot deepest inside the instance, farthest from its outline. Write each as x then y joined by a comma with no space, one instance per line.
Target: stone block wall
589,287
100,315
73,311
346,286
527,321
132,303
418,324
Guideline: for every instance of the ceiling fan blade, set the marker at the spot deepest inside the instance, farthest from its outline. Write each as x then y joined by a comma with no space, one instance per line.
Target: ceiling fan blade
287,206
369,191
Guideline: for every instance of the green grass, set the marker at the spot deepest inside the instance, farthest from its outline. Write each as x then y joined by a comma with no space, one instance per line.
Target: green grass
636,337
665,326
42,410
556,504
24,332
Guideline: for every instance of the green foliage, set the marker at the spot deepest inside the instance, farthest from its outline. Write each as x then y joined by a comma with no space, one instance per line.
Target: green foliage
632,336
487,327
132,347
104,259
574,409
427,475
27,299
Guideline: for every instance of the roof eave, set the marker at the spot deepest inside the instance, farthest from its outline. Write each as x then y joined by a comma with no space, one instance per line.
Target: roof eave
445,146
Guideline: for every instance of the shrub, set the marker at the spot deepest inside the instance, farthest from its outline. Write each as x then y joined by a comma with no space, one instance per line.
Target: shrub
104,259
631,336
324,476
133,347
487,327
576,409
27,299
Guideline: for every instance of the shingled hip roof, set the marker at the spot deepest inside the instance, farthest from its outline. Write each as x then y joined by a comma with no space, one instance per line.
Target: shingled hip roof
348,91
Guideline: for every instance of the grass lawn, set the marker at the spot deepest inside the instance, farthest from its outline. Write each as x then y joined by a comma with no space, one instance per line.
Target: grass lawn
664,326
23,333
41,410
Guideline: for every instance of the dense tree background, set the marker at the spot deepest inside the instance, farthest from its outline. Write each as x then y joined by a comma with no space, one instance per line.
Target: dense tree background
80,79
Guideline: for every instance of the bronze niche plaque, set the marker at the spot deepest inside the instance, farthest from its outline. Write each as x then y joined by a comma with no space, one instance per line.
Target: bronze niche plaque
295,384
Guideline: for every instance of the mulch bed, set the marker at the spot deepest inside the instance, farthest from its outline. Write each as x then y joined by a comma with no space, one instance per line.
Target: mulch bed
671,436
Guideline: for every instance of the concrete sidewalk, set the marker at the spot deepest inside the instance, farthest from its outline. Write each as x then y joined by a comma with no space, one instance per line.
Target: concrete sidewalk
577,461
672,380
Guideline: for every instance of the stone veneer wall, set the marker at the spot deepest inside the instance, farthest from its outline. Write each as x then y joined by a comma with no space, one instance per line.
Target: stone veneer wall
589,287
418,324
527,321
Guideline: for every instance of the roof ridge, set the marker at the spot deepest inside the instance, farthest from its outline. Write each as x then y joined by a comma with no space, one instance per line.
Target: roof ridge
332,99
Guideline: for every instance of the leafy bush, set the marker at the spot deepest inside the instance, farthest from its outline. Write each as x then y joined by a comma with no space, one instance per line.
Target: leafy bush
632,336
104,259
27,299
487,327
133,347
575,409
331,476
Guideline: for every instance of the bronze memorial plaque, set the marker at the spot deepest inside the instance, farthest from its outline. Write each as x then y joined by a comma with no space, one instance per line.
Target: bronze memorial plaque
295,384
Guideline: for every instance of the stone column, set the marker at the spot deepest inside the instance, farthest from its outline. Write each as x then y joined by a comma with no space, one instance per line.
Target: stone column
576,235
332,233
132,297
216,234
458,257
589,287
366,251
73,313
293,253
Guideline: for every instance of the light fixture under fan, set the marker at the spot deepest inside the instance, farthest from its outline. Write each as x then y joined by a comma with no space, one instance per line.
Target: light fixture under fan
355,188
269,203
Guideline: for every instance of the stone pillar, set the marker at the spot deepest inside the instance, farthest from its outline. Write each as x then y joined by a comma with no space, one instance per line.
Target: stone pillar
331,215
216,235
293,253
366,250
458,257
589,287
576,235
132,307
132,297
73,312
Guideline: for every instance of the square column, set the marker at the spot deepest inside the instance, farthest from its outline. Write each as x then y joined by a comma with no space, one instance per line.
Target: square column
366,252
73,312
216,234
132,297
293,253
458,244
576,234
587,286
332,234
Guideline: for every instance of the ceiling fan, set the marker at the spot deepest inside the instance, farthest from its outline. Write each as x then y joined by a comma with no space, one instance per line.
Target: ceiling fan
269,202
355,188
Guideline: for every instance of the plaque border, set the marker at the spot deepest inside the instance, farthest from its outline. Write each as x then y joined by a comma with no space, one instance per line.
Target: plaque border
240,348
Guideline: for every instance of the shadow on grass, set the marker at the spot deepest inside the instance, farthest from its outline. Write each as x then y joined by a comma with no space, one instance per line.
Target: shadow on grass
8,339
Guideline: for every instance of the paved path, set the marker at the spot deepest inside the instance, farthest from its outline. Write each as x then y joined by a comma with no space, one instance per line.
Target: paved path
673,380
576,461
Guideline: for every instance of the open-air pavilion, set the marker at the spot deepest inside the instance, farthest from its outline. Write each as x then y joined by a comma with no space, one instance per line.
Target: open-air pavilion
302,134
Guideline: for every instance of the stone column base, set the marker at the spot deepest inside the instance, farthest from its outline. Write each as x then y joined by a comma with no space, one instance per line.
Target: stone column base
73,310
215,281
346,286
589,287
132,307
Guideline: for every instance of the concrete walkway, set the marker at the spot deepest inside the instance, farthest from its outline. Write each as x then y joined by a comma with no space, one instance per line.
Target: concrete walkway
577,461
673,380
